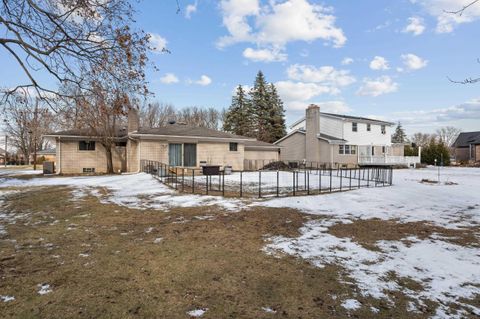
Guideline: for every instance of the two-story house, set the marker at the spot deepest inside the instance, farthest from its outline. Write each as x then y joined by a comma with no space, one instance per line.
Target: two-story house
342,140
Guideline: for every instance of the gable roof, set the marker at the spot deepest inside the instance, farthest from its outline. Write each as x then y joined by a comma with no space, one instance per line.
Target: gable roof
330,139
467,138
188,131
49,151
348,118
254,144
119,133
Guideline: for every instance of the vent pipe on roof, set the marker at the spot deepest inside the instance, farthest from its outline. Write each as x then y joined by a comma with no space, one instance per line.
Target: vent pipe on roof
171,122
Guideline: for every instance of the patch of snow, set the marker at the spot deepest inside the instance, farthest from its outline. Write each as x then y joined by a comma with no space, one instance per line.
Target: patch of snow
197,312
7,298
149,230
157,240
268,310
446,272
351,304
84,255
44,289
374,310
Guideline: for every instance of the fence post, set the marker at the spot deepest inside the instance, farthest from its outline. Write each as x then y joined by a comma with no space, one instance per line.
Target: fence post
319,173
359,174
368,176
341,181
278,175
293,183
391,176
207,183
193,181
183,179
259,184
330,179
223,184
350,180
308,181
241,182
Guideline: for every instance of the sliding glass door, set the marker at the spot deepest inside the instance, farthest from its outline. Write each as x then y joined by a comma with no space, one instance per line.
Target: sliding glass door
182,155
189,155
175,154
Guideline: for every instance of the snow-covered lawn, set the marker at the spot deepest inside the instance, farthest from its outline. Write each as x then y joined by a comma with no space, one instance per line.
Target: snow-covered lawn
445,272
448,273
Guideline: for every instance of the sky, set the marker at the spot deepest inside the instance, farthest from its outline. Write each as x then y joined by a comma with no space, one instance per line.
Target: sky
385,59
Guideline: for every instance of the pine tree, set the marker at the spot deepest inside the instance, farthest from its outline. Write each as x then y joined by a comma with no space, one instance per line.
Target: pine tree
238,117
399,136
277,115
261,107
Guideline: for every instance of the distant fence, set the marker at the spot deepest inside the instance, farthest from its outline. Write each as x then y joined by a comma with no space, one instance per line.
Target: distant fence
269,183
258,164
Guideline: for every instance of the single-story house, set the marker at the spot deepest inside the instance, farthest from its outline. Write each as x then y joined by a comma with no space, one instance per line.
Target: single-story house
467,147
77,151
342,140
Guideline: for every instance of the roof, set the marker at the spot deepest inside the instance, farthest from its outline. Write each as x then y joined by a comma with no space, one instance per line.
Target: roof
119,132
467,138
328,138
188,131
259,144
347,117
47,151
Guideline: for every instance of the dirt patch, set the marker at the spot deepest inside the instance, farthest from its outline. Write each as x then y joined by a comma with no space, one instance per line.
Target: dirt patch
103,260
368,232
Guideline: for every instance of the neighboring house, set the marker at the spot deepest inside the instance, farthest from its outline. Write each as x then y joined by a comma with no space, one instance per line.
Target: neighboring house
342,140
175,144
2,156
467,147
48,155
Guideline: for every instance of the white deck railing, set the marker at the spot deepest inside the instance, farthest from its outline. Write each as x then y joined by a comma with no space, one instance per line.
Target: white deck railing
388,160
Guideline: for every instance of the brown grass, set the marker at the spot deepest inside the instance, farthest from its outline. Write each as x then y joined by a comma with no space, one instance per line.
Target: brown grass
216,264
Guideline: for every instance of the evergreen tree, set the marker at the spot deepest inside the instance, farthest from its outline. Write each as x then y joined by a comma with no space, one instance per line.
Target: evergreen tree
238,117
261,107
435,151
399,136
277,115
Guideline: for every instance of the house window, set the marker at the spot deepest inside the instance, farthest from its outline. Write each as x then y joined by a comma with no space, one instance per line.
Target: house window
86,146
89,170
233,147
121,144
383,149
369,127
384,130
354,127
347,149
373,150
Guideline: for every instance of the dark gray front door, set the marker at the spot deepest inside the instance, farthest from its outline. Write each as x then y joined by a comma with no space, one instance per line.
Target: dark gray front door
175,154
189,155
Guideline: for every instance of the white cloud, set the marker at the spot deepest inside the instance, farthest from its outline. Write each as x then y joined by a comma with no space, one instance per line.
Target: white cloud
415,26
158,43
203,81
169,78
413,62
264,55
277,23
299,91
379,63
378,86
465,111
327,75
446,21
191,8
347,61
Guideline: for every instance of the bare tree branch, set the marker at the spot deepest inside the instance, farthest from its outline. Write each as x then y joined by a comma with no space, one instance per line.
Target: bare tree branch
462,10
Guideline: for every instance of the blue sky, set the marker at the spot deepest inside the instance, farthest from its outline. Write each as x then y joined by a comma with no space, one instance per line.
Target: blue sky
387,59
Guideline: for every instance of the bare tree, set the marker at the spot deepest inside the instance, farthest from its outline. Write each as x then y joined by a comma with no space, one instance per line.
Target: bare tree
448,134
156,114
26,121
61,38
422,139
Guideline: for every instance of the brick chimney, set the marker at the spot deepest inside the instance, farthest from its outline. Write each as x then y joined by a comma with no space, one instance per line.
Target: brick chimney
312,127
133,120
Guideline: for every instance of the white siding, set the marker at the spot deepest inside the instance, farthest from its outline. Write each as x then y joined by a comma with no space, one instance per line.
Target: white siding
364,137
331,126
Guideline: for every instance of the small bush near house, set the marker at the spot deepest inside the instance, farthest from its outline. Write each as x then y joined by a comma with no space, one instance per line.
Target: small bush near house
436,151
274,166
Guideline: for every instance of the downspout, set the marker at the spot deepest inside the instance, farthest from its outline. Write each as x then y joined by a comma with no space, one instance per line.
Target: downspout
59,155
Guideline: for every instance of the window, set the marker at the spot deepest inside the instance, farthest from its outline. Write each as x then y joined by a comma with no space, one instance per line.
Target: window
233,147
347,149
383,149
86,146
121,144
354,127
384,130
373,150
369,127
89,169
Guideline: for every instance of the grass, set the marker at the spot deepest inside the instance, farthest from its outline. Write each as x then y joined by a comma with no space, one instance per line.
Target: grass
107,261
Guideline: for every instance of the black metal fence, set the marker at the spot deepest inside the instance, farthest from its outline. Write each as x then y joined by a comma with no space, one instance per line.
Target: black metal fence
269,183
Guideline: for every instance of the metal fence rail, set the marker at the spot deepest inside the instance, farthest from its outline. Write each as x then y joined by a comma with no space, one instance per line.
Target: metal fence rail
269,183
